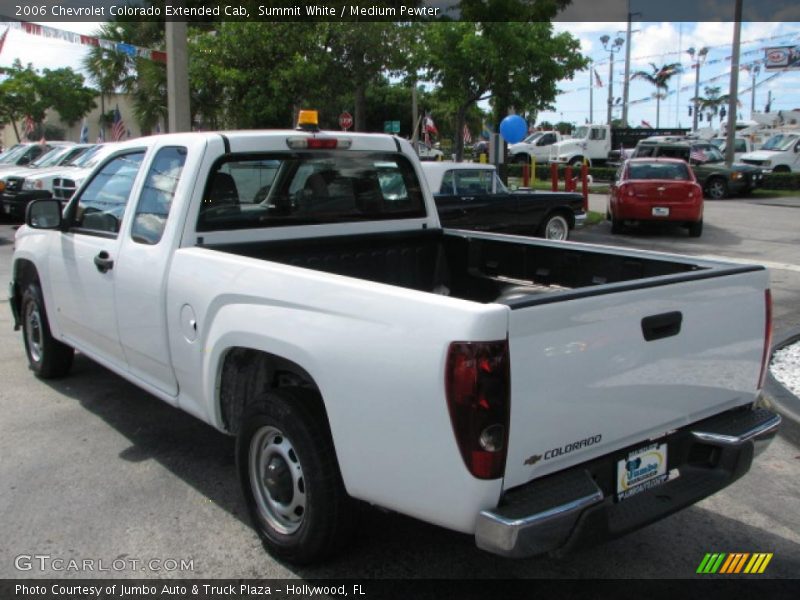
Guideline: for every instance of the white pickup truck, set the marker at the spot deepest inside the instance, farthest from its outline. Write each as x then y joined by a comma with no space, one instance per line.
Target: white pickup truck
295,289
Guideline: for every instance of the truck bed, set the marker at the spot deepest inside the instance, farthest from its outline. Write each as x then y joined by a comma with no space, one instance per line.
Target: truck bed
482,268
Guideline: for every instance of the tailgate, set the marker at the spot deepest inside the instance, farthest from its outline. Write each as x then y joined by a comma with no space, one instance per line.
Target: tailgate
585,381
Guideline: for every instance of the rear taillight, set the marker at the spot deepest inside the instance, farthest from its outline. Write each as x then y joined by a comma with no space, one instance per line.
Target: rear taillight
765,356
477,384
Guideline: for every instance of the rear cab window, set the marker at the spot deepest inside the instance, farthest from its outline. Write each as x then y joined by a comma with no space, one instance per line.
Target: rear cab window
296,188
659,170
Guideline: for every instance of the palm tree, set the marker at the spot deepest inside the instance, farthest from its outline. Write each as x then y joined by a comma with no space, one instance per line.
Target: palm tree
659,77
712,103
145,80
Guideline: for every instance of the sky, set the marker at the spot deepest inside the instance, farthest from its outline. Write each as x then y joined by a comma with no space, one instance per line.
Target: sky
659,43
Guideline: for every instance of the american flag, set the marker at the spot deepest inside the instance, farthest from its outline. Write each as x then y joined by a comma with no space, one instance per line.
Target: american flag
428,126
697,155
646,124
597,81
118,126
467,134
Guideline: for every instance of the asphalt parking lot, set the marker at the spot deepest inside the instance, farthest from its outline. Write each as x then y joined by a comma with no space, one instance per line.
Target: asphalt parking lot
94,468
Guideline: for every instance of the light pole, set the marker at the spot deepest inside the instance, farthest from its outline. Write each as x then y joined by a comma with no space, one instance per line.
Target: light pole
733,92
699,59
755,70
611,49
627,65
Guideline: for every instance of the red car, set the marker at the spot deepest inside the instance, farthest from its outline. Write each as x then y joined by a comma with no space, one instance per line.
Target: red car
656,189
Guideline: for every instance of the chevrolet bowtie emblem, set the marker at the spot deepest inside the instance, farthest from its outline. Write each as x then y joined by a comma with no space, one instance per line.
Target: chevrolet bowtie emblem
533,459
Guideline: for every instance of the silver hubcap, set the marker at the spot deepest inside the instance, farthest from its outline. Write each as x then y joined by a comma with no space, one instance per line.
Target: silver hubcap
717,190
276,478
33,332
556,229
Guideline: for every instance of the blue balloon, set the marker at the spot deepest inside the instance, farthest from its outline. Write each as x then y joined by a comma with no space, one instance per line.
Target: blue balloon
513,129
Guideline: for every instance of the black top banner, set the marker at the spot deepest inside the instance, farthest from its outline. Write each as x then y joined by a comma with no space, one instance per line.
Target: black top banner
394,10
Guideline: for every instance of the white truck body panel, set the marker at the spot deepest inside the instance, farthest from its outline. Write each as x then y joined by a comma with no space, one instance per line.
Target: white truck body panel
166,316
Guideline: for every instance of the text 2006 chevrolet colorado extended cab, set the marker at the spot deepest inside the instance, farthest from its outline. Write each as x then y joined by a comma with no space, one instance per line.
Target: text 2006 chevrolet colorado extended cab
295,289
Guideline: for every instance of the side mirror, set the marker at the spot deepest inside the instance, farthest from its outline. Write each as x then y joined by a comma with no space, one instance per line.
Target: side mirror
44,214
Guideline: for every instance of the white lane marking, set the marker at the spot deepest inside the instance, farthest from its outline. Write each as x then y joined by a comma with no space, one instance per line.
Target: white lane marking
751,261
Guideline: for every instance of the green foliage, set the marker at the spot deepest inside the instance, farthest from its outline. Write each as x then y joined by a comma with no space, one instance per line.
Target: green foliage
144,79
515,64
781,181
25,92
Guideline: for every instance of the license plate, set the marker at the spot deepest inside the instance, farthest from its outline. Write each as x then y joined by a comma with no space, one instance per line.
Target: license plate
641,470
660,211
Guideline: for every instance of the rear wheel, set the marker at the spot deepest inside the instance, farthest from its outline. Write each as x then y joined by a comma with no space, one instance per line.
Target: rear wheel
696,229
290,477
616,225
717,189
576,162
47,357
555,227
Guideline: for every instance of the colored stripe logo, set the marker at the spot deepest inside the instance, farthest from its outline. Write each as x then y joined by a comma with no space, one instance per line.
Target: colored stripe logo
734,563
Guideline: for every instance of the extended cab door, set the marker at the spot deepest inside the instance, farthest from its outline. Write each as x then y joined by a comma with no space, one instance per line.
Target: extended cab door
141,278
84,264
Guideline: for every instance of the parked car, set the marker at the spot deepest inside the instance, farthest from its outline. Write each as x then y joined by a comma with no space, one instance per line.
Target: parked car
714,176
537,145
15,194
779,154
23,154
656,189
426,152
471,196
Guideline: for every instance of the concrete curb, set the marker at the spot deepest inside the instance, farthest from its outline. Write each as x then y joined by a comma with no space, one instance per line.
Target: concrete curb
785,401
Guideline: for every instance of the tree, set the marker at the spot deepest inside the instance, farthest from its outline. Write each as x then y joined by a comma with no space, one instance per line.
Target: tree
659,77
515,64
362,53
713,104
26,93
145,80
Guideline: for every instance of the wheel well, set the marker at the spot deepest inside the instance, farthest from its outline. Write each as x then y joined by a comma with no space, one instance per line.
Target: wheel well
782,169
247,373
24,273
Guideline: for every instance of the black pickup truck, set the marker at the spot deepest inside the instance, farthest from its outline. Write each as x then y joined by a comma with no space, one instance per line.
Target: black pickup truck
471,196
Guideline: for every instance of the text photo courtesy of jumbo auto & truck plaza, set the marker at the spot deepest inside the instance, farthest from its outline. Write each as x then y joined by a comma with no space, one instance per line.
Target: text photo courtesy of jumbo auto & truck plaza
253,363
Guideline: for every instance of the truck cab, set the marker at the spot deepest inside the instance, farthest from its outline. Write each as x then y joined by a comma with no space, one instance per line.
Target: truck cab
779,154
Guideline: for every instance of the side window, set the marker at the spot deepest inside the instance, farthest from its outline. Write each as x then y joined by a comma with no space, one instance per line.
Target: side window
102,204
598,134
547,140
447,184
474,182
157,194
740,146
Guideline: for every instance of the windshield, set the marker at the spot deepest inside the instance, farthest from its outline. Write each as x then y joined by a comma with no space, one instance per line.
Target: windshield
78,156
275,190
781,142
89,158
581,132
13,155
50,158
533,137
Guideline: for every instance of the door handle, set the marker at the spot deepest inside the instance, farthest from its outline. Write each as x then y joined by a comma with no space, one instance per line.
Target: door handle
661,326
468,197
103,262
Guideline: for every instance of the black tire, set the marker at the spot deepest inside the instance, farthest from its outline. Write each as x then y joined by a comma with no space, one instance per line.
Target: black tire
299,507
555,227
717,188
616,225
696,229
782,169
576,162
47,357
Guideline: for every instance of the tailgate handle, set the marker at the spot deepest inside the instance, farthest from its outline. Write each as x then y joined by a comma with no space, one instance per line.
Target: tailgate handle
661,326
